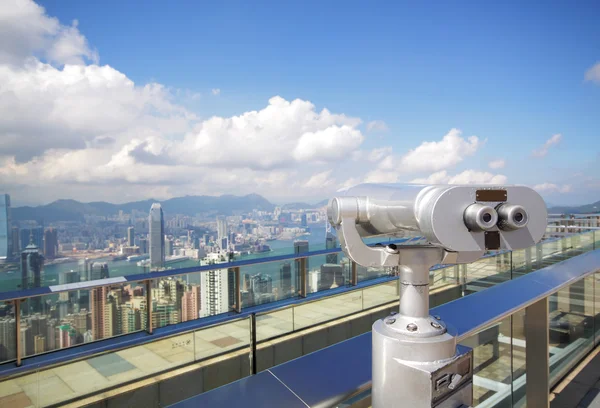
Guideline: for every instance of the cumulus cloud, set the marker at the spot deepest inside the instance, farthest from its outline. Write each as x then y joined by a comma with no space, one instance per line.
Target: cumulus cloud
543,151
320,180
377,126
26,30
593,73
551,188
497,164
69,124
435,156
216,91
466,177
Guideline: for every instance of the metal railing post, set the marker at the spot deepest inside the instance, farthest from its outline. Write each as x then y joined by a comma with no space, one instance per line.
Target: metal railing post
238,289
354,274
17,305
536,358
253,344
303,278
149,306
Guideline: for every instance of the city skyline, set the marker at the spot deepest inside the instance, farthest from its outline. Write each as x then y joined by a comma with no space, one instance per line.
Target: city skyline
386,102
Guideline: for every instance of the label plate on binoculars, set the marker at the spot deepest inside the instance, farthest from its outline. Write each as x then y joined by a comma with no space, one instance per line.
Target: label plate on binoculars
490,195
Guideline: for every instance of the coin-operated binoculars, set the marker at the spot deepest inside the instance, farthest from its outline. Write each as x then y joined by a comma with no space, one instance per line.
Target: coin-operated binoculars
416,362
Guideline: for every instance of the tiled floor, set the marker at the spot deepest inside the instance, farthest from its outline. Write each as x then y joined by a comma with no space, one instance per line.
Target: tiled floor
80,378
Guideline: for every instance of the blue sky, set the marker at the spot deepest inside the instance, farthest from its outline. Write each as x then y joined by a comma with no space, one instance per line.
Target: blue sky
511,73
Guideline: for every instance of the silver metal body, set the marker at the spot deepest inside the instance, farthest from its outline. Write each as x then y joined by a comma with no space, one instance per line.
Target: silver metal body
415,358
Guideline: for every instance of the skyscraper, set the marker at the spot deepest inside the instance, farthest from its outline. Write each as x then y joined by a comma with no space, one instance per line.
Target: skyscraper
332,276
32,264
50,243
34,234
6,244
168,247
331,243
221,228
285,278
156,223
16,242
130,236
98,270
143,246
303,220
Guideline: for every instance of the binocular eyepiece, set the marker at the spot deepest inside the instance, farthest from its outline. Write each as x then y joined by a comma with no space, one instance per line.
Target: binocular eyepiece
508,217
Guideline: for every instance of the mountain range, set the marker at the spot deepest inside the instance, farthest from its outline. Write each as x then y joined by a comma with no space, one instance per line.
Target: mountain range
582,209
72,210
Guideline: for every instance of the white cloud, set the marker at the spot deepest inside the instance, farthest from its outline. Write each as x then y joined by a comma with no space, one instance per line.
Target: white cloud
216,92
377,126
320,180
72,128
373,156
551,188
435,156
497,164
543,151
26,30
466,177
593,73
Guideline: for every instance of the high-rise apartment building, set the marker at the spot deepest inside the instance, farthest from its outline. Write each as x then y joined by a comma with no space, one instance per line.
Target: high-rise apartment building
190,303
8,350
215,292
130,236
50,243
157,236
6,244
98,300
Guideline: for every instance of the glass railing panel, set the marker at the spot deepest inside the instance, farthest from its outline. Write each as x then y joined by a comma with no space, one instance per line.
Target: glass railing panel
586,241
327,309
487,272
270,281
365,274
571,325
8,329
441,277
381,294
492,365
67,319
182,298
274,324
326,272
225,338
